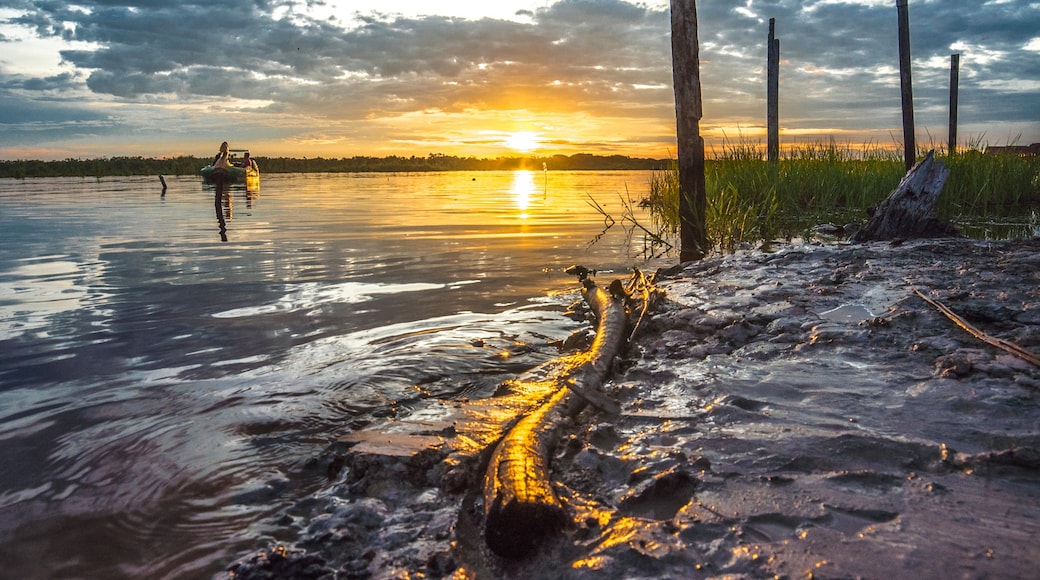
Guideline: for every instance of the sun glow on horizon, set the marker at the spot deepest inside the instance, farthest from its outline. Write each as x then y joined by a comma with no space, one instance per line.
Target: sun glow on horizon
523,141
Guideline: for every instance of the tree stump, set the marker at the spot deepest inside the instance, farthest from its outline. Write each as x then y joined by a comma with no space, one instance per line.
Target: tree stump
909,211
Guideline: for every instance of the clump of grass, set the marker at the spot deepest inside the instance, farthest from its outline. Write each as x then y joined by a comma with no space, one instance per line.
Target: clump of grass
663,197
733,219
752,200
990,185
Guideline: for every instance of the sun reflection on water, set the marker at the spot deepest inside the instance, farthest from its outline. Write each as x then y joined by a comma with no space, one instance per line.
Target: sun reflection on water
522,189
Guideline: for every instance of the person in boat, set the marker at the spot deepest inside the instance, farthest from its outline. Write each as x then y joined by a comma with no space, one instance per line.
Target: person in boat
246,161
221,160
223,151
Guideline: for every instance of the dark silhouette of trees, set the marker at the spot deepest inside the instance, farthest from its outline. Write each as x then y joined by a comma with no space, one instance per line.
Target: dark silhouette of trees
188,165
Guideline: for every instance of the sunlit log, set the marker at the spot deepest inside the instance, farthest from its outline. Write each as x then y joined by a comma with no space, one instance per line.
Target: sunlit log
521,507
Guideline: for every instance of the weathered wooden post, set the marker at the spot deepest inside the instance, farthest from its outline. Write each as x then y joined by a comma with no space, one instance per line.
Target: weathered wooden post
686,80
955,65
773,94
909,144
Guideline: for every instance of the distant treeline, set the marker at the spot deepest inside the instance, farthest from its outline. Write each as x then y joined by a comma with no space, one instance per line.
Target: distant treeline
185,165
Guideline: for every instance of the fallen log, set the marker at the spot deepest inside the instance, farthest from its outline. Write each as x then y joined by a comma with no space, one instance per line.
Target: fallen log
521,508
909,211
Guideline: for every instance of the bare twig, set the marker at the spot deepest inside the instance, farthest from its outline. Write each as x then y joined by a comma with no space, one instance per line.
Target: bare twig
628,215
608,221
654,244
1000,343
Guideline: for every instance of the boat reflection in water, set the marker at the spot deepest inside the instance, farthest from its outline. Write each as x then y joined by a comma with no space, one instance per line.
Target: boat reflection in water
223,211
223,199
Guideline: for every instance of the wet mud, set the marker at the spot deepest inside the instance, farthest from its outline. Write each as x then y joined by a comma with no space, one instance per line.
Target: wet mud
788,413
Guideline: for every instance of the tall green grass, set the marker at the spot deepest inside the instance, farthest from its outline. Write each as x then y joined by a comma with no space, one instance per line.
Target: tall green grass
752,200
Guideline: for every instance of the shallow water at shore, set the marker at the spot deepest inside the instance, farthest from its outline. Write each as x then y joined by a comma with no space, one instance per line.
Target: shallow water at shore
172,366
799,412
170,401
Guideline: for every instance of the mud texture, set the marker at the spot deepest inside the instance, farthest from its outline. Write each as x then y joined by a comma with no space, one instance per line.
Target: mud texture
790,413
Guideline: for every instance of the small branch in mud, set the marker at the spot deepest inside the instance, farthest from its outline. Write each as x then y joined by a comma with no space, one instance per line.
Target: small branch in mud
1000,343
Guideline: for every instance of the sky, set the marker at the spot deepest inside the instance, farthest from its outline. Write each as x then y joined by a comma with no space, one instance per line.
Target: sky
313,78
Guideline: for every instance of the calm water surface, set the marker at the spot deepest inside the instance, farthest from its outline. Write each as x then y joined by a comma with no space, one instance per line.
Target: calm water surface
171,367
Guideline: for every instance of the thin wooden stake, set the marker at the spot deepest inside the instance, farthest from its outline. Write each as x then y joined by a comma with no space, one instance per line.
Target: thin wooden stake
773,94
955,64
905,85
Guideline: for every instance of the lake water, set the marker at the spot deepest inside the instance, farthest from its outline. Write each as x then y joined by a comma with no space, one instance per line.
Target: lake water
171,367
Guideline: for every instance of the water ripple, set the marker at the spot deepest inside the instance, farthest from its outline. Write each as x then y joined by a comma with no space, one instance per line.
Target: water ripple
164,393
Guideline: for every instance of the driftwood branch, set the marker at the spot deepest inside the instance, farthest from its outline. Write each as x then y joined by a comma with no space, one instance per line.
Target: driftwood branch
909,211
1000,343
640,283
521,508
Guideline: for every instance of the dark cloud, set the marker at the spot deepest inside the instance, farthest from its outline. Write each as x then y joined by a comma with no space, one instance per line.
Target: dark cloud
839,60
28,122
598,44
59,82
53,112
607,58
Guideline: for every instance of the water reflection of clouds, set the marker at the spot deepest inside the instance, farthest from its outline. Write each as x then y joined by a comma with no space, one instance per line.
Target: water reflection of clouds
34,292
309,295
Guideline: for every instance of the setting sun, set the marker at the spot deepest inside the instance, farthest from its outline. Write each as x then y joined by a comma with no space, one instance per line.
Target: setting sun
522,141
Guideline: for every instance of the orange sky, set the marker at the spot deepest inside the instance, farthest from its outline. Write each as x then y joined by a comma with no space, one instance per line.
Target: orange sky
571,76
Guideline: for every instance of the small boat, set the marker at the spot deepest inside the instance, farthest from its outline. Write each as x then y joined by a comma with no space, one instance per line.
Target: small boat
235,173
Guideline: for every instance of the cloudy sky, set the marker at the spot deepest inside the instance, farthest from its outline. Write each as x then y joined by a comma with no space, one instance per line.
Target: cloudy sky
488,78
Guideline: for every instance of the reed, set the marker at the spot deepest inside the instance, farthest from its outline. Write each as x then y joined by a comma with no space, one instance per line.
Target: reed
751,200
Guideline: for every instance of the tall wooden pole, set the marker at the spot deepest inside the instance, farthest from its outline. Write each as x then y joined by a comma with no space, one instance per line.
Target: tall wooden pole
955,66
905,85
686,80
773,94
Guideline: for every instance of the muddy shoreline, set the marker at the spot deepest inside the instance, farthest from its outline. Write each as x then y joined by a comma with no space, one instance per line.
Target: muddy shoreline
795,412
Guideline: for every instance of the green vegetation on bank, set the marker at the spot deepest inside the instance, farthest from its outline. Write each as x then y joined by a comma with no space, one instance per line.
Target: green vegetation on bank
751,200
187,165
